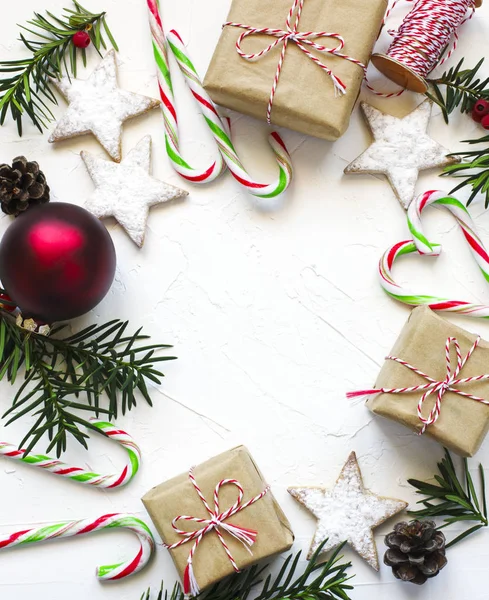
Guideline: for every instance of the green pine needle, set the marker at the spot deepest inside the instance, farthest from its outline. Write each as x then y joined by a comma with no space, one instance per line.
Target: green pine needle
456,500
72,373
463,87
474,172
25,85
329,583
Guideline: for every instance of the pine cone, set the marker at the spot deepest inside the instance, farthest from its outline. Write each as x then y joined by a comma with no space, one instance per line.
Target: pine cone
22,185
416,551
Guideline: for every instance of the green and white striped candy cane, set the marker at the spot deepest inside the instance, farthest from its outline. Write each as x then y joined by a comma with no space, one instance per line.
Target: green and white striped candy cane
220,128
421,245
78,474
111,572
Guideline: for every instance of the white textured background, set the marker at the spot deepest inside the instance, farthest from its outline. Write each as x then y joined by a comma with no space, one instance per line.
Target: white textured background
273,318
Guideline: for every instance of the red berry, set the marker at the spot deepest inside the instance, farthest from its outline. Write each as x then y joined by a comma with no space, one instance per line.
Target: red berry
480,110
81,39
476,117
6,307
485,122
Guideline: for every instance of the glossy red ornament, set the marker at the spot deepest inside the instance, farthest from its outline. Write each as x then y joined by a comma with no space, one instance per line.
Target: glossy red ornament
81,39
57,262
7,307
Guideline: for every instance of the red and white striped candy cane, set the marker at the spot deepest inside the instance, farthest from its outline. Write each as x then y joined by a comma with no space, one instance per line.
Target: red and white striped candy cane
160,50
421,245
111,572
451,383
78,474
219,128
216,522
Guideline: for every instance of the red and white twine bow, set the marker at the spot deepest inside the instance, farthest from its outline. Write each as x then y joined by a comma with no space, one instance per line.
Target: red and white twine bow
301,39
216,522
440,388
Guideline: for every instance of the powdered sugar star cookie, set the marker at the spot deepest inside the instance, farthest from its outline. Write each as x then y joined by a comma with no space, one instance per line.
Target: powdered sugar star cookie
401,149
126,191
348,512
99,106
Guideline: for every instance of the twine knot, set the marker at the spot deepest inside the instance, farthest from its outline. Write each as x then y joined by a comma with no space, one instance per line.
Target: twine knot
301,39
451,383
445,386
216,522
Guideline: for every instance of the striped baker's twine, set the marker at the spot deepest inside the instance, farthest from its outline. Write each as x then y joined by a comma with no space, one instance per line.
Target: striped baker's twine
424,35
440,388
301,39
426,31
216,522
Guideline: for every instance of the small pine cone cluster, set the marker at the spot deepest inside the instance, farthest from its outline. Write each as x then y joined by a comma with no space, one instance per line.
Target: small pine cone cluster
416,551
22,185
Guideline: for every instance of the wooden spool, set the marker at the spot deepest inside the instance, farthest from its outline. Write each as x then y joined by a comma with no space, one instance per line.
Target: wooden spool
399,73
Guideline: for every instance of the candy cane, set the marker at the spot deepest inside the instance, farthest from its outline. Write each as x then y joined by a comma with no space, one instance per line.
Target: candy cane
78,474
168,106
423,246
65,529
219,128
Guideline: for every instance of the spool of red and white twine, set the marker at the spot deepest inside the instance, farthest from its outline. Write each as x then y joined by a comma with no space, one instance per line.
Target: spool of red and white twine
420,41
216,522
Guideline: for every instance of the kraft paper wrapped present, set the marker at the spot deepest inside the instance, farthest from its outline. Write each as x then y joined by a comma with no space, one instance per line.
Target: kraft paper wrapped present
210,560
463,423
305,100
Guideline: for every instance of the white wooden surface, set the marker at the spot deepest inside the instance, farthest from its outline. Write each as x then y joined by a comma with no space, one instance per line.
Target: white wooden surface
273,317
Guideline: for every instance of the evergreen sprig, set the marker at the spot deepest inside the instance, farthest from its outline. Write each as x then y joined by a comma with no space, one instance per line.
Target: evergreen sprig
456,500
463,87
62,374
319,581
26,83
474,172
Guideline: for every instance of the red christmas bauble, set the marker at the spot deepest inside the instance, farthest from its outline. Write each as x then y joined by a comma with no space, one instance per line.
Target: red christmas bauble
7,307
81,39
57,262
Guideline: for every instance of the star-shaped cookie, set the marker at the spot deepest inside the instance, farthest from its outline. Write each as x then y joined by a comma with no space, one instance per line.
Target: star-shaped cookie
348,512
126,191
401,149
99,106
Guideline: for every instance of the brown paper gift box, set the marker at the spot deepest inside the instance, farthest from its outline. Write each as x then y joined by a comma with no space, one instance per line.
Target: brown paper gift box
463,423
178,497
305,100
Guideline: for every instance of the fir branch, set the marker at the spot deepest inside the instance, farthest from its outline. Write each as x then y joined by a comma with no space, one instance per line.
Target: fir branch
329,583
25,87
474,172
463,88
456,500
235,587
63,374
